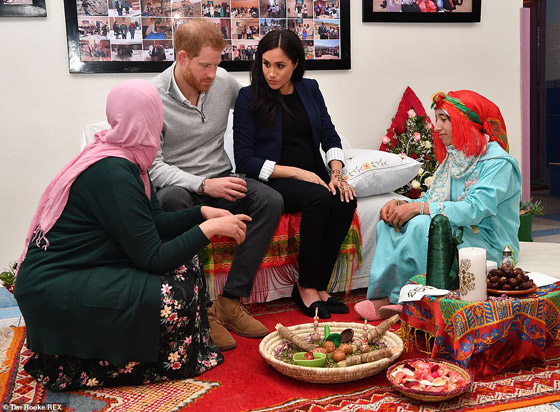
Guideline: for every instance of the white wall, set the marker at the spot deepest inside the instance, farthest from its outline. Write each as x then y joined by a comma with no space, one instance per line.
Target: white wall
43,107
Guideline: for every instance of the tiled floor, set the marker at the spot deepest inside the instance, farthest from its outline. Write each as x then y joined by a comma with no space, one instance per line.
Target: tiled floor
546,228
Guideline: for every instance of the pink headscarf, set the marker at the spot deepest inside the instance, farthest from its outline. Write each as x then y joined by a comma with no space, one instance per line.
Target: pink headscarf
135,113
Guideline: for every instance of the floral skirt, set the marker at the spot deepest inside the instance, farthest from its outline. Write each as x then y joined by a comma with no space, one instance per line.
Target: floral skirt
185,347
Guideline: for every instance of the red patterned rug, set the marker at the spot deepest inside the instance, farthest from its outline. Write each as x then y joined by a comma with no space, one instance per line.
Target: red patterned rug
244,382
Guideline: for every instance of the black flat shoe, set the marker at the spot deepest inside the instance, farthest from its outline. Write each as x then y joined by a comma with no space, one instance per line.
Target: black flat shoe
336,306
323,311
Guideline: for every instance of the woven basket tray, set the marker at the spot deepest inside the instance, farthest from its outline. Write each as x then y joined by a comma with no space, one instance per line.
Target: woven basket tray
327,375
431,396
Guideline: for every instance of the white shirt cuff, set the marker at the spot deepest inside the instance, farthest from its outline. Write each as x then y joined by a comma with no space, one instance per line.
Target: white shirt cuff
335,153
266,170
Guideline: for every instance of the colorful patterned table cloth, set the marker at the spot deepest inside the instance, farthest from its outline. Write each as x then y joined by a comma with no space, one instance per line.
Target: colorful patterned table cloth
279,266
491,336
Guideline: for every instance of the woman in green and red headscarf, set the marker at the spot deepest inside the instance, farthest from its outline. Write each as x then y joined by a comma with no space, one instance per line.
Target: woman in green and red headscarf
477,186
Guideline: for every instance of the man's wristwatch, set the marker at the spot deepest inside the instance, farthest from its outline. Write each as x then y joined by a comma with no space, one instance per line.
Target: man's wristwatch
202,187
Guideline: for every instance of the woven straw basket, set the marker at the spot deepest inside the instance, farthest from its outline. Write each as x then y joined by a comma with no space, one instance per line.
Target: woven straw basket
327,375
431,396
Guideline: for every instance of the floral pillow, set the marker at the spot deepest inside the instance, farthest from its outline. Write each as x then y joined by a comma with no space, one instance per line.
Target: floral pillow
374,172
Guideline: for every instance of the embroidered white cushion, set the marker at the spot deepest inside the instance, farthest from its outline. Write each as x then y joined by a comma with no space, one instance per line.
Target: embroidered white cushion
374,172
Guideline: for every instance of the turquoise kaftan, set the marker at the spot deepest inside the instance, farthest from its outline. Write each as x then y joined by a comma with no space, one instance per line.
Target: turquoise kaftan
485,203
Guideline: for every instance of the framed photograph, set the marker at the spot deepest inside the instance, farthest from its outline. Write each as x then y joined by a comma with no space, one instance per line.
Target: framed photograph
23,8
124,36
428,11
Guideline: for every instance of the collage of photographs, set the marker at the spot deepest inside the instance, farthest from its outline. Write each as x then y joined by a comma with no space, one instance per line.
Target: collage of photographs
423,6
142,30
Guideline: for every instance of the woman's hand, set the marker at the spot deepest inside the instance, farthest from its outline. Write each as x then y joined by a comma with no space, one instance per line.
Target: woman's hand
311,177
386,209
232,226
213,212
291,172
346,191
299,174
399,214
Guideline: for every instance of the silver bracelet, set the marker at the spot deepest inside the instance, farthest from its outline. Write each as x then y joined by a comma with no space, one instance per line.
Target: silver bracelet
421,208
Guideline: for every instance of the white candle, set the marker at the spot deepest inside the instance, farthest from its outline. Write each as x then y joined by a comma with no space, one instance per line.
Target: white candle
472,274
490,264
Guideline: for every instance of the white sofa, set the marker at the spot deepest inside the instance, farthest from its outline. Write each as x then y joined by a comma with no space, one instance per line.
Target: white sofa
368,213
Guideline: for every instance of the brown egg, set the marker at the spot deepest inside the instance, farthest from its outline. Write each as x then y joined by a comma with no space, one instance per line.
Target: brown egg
322,350
329,346
346,348
338,355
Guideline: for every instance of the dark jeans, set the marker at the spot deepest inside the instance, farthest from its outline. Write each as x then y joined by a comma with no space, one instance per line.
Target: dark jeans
262,203
325,221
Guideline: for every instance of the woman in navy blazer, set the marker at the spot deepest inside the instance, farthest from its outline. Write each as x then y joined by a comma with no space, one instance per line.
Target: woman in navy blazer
280,123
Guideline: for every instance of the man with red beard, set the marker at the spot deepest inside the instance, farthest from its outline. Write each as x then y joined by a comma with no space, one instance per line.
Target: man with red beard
192,167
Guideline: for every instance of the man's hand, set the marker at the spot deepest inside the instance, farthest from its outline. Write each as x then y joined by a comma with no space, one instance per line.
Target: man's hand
229,188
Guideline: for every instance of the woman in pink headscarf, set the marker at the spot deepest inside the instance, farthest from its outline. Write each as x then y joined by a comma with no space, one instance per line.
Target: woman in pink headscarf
109,285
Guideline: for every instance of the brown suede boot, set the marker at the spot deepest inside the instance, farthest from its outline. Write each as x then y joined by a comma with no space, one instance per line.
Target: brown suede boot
236,318
221,337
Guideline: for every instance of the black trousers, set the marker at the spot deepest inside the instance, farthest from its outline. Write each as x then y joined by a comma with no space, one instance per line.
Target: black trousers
325,221
261,202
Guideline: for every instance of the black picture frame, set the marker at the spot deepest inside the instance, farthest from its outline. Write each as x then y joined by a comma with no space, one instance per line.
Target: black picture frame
77,64
371,12
36,9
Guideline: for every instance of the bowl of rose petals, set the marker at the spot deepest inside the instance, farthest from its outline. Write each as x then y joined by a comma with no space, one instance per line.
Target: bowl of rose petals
430,380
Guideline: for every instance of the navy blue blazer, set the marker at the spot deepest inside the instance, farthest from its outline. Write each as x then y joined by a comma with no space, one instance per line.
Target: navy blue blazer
254,143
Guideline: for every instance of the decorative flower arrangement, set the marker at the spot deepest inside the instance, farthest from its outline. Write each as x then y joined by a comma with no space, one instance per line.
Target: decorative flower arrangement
530,207
8,277
415,139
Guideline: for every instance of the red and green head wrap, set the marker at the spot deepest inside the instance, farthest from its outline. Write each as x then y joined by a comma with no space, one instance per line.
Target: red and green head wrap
472,116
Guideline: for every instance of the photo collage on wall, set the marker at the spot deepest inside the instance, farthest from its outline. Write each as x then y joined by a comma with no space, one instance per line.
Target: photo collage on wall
142,30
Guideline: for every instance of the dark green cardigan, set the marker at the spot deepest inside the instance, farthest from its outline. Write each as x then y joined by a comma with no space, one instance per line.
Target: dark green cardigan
94,293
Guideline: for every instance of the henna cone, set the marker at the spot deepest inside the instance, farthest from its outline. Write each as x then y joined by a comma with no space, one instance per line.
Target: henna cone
369,357
295,339
383,327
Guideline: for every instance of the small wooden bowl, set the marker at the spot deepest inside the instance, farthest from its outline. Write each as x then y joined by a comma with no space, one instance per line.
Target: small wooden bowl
512,292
